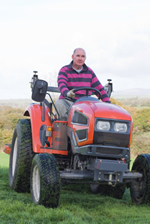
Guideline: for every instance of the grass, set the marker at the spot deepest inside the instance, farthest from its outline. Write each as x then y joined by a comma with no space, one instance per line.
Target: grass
77,206
4,160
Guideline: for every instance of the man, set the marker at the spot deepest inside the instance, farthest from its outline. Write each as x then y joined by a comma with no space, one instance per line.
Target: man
73,76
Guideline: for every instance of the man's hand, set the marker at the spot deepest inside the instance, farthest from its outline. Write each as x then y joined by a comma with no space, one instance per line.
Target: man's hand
71,94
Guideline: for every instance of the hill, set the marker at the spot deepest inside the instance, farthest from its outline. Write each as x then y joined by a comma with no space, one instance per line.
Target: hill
130,93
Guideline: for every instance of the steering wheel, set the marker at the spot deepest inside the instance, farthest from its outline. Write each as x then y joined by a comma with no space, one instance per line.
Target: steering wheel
87,89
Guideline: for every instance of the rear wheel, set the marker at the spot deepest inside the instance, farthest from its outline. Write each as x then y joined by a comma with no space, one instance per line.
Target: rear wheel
21,157
115,192
140,189
45,180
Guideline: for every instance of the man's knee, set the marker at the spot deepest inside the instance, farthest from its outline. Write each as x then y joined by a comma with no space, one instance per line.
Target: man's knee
61,111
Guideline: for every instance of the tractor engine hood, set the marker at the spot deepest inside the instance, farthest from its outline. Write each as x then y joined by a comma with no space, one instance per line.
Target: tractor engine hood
102,110
111,111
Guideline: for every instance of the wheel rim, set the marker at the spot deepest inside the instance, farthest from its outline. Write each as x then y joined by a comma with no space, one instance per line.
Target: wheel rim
14,157
36,183
141,185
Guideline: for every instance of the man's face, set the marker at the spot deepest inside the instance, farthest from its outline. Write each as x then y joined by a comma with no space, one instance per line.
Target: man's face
78,58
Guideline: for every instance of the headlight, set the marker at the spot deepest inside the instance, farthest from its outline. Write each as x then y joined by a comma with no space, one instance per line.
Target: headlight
103,125
120,127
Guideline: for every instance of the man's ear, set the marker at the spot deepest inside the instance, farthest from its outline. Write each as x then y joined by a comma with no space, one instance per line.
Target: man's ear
72,57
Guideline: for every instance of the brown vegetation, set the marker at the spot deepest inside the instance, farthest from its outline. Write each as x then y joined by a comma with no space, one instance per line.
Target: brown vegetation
136,102
8,119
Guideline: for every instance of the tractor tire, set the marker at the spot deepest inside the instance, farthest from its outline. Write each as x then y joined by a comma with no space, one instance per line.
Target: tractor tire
21,157
45,180
140,189
107,190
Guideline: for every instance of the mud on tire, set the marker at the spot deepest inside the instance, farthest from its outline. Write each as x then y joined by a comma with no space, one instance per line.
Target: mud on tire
45,180
21,157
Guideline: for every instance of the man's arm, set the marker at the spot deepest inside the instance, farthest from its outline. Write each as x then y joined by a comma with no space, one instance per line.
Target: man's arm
97,85
62,82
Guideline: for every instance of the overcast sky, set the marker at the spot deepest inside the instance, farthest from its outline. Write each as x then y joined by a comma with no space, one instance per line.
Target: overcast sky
42,34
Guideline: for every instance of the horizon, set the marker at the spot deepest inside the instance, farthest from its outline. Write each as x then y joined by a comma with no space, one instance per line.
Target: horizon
135,92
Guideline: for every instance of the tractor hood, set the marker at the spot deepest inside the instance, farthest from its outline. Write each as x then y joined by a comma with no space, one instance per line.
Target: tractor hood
107,110
98,109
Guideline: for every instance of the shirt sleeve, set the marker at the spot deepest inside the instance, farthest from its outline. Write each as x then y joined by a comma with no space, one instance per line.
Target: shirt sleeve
62,82
97,85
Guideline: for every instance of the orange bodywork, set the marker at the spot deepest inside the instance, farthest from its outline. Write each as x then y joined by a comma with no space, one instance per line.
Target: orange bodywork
111,111
83,108
95,109
7,149
35,112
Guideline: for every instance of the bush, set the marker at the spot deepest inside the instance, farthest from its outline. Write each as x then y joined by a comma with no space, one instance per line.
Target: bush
141,120
8,120
140,144
9,117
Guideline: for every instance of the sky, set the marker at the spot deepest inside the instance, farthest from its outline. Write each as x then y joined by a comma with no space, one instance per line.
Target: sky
42,34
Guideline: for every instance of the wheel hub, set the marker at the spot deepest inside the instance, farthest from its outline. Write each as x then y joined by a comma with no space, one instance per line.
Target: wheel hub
36,183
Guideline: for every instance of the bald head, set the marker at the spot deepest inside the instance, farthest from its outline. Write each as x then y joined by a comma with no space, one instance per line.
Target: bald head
78,58
79,49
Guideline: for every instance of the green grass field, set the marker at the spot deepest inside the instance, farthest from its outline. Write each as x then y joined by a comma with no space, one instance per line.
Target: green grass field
77,206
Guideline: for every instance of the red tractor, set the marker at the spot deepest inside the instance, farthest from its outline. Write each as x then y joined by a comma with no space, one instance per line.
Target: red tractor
92,147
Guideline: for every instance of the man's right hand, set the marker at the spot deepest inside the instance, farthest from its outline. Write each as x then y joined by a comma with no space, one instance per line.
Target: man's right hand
71,94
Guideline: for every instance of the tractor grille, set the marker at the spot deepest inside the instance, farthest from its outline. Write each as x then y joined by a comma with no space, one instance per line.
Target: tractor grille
114,139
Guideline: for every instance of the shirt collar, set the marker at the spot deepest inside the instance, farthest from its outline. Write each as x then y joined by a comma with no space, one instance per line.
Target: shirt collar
84,66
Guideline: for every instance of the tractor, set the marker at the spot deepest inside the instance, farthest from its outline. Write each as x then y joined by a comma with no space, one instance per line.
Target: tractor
92,147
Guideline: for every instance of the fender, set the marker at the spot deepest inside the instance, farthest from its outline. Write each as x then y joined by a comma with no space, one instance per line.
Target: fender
34,111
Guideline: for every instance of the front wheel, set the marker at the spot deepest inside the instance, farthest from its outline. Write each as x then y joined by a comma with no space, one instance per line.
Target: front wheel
45,180
140,189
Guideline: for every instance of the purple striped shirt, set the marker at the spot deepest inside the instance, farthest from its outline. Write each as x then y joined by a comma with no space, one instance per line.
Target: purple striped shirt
69,79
